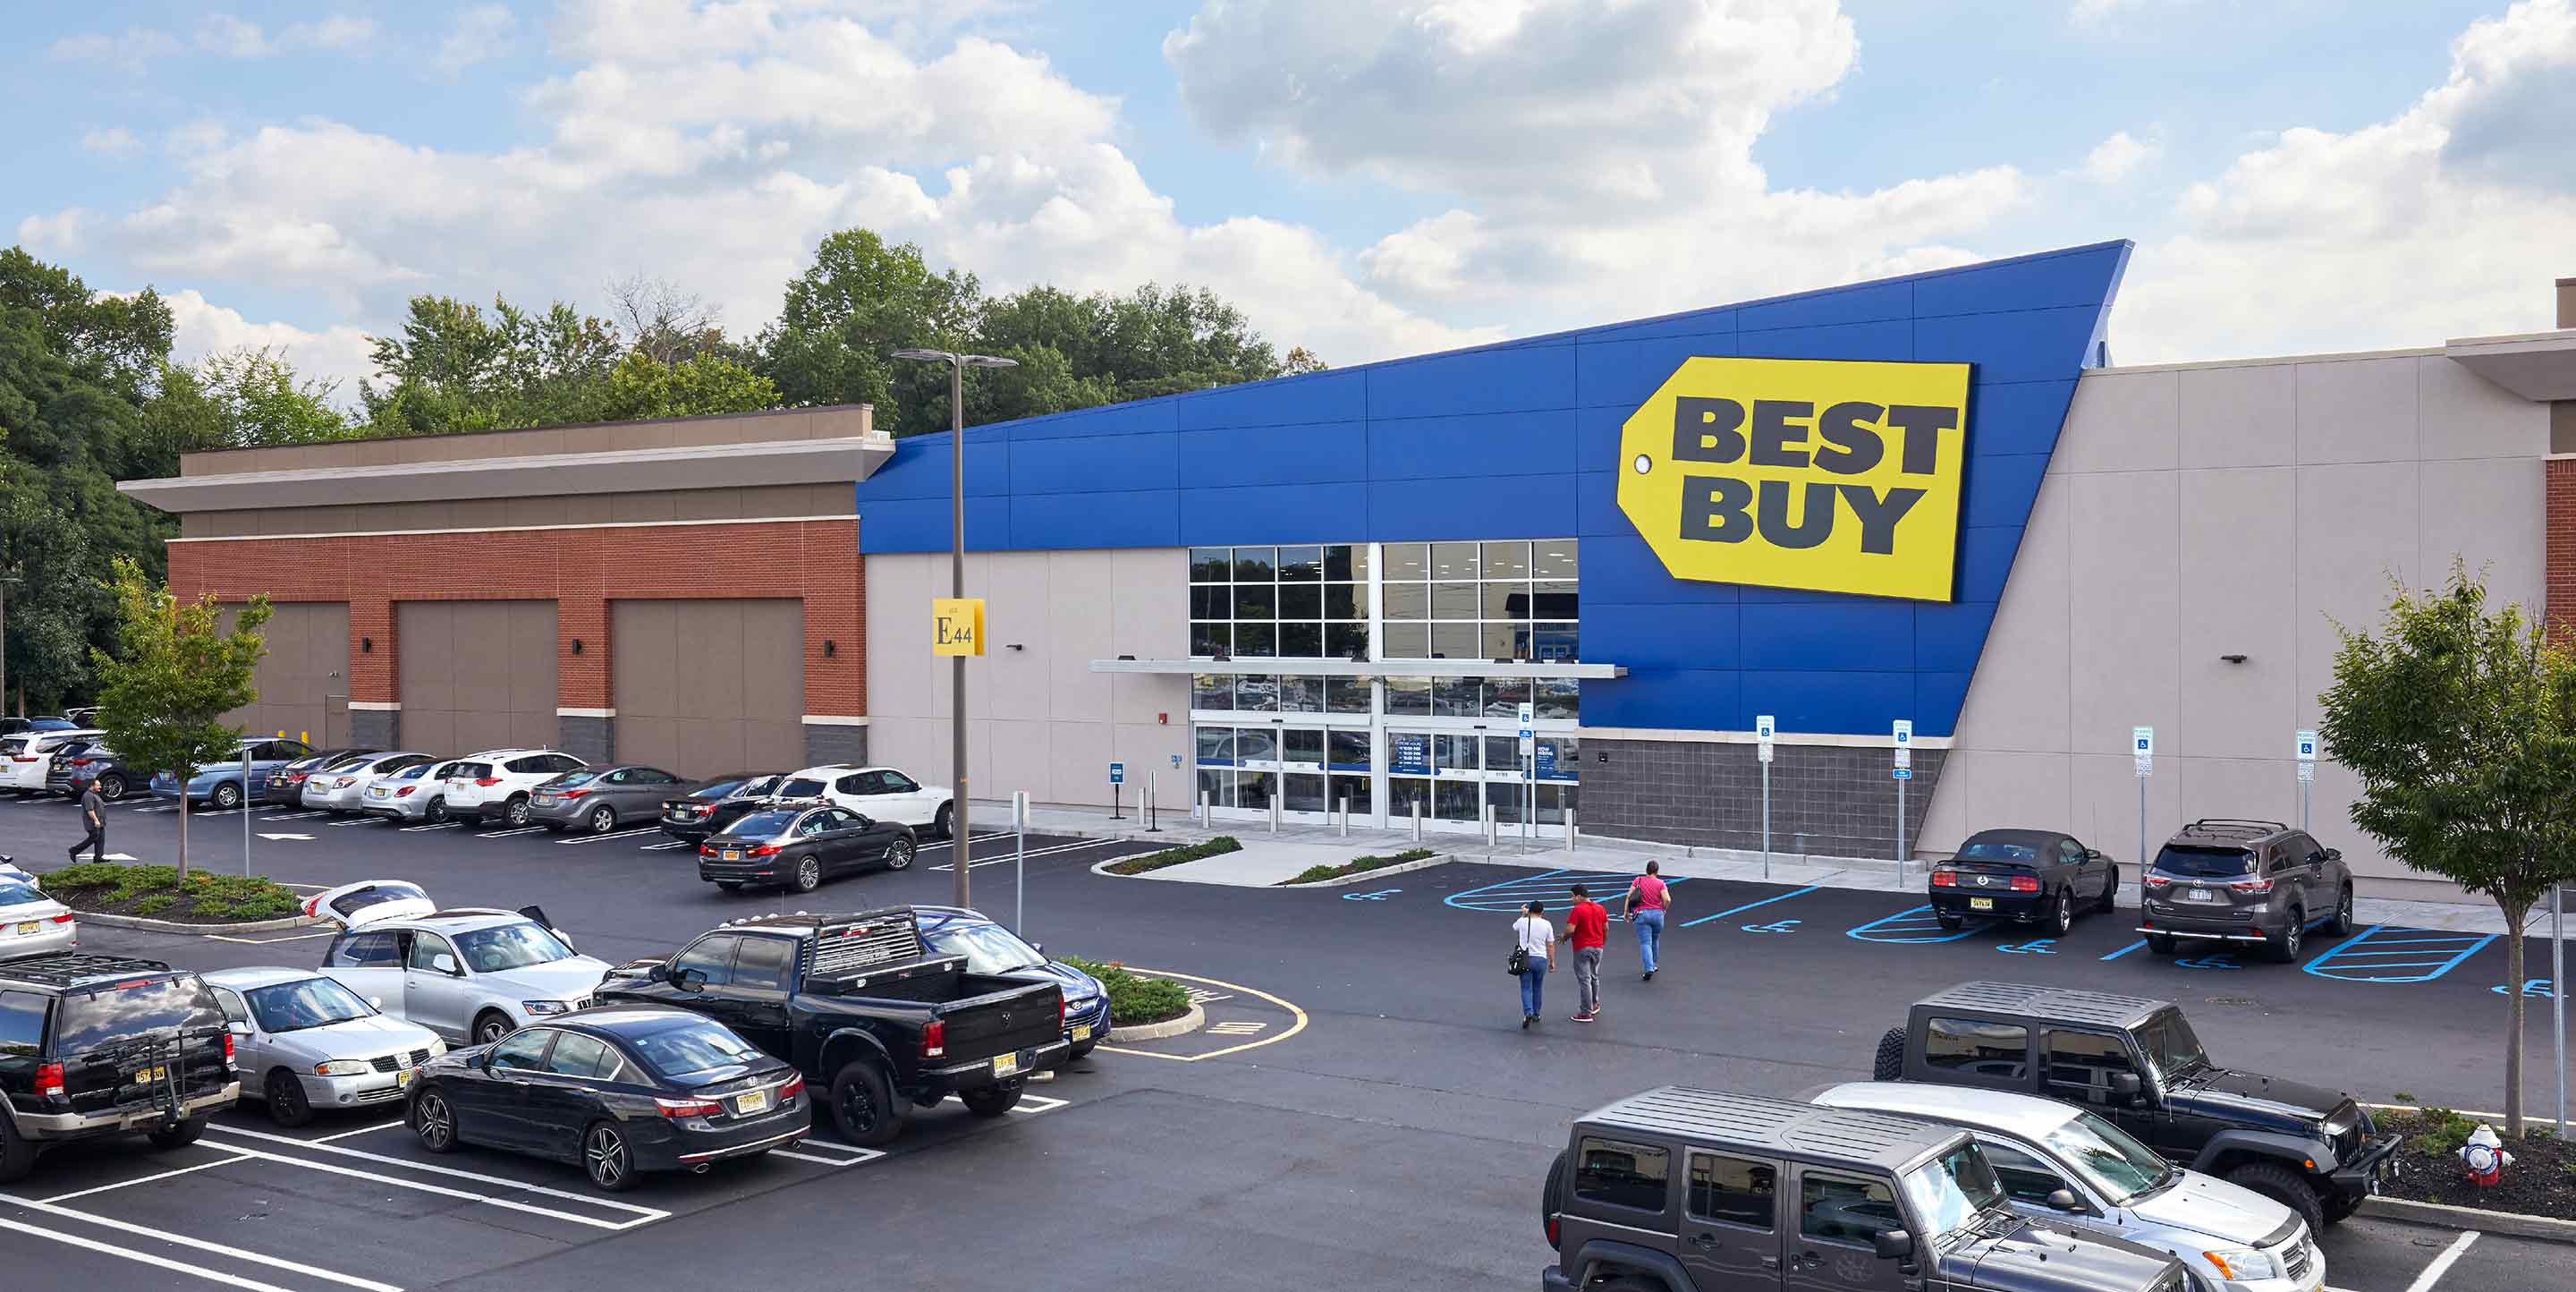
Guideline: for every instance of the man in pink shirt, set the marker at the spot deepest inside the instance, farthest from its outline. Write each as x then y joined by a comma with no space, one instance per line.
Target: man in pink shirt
1644,908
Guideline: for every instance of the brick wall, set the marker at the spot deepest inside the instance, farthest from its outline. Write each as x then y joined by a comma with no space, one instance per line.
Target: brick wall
1831,800
2561,545
580,570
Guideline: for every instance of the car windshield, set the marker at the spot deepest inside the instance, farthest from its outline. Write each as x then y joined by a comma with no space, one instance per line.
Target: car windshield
988,948
376,895
1991,851
17,893
2205,863
2170,1045
88,1020
1953,1189
570,779
715,791
2117,1166
764,823
801,788
412,773
676,1052
308,1002
511,946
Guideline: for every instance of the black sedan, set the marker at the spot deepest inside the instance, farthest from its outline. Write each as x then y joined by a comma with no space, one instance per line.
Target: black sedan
619,1091
799,847
717,804
2027,876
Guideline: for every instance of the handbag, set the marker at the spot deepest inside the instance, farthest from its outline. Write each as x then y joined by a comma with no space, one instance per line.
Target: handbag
1518,961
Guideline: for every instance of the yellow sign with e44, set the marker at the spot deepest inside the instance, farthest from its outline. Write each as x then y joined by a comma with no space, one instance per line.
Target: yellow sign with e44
957,625
1829,475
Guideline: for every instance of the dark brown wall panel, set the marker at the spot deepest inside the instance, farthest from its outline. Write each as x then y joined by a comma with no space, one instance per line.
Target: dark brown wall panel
710,686
477,674
303,680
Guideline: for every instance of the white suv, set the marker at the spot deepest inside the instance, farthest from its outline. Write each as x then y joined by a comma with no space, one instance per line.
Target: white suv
25,758
497,782
878,793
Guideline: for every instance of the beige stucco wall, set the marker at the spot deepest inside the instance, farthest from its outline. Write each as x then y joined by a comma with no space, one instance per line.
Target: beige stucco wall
2245,508
1065,723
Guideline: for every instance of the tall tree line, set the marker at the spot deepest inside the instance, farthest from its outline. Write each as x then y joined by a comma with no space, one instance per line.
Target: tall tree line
89,396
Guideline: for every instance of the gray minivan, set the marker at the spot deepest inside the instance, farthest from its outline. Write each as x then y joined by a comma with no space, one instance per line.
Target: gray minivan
1681,1190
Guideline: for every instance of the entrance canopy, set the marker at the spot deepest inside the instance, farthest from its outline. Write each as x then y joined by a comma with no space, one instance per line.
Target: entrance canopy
1362,668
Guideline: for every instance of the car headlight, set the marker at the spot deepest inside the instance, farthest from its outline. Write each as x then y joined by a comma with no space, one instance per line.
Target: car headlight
2243,1264
541,1008
343,1068
437,1047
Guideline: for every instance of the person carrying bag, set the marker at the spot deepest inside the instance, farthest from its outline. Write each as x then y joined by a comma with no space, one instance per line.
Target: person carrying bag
1533,954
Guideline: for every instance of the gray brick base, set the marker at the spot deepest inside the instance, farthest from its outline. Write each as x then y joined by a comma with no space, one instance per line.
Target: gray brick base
375,728
1827,799
592,740
831,742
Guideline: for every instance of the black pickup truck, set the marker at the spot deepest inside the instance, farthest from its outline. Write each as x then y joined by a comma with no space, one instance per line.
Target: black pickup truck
862,1007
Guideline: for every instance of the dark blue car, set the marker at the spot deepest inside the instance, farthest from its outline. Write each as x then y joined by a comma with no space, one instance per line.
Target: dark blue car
220,784
991,949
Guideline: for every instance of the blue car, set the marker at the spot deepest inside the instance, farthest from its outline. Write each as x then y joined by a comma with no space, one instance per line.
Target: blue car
991,949
220,785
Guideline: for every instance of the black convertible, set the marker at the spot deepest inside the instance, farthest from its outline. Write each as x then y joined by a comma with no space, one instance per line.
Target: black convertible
2027,876
797,847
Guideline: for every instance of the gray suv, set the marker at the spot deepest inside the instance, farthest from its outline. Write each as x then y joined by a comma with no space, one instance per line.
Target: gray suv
2262,883
1679,1190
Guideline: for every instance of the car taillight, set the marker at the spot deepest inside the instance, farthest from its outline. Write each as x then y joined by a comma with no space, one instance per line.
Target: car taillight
688,1107
49,1078
706,811
344,782
487,782
2025,883
64,918
570,794
83,762
1945,879
765,850
228,1047
293,778
795,1086
706,850
2158,881
934,1039
1551,1231
22,758
2251,886
405,791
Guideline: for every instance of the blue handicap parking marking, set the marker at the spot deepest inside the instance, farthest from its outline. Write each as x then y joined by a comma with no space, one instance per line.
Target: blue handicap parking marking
1917,925
2208,962
2036,947
2389,953
1739,910
1378,896
2537,988
2126,950
1775,926
1555,888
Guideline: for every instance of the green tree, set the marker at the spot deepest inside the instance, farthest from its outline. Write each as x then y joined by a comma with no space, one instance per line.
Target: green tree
174,674
846,315
2460,720
641,387
453,368
244,398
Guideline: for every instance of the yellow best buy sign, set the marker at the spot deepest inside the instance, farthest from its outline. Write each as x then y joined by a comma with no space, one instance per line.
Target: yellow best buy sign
1802,473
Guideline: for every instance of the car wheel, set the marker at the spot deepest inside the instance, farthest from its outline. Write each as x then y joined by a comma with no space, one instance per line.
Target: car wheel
2061,916
2294,933
864,1107
809,873
729,885
179,1135
227,797
2160,943
939,825
1890,1064
491,1026
434,1122
2342,924
2110,892
603,819
1949,921
17,1156
518,812
2284,1186
604,1155
284,1095
111,787
898,854
436,812
993,1100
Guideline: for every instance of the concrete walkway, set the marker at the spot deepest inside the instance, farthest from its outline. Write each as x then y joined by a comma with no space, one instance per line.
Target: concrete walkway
1268,858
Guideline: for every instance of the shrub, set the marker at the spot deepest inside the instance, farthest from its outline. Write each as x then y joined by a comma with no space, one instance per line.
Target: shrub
2440,1132
1134,998
1216,847
155,904
1355,866
158,890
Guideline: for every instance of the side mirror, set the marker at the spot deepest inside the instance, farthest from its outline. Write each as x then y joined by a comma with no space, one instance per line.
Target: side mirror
2127,1085
690,979
446,964
1894,1244
2063,1200
237,1026
1038,947
2334,854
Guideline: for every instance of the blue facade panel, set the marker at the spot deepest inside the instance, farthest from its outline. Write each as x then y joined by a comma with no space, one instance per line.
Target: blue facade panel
1521,440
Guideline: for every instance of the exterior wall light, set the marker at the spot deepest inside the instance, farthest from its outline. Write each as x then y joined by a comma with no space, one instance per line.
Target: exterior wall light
830,648
576,645
2233,659
366,645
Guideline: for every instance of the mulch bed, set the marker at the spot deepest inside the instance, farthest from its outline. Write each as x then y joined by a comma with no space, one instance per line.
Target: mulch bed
2541,1181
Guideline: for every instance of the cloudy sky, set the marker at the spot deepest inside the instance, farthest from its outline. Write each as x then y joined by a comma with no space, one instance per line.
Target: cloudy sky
1368,178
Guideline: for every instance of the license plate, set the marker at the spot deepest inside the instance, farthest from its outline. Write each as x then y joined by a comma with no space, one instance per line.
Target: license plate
1981,903
1082,1031
731,855
149,1075
2200,895
1005,1064
545,800
375,791
30,926
755,1102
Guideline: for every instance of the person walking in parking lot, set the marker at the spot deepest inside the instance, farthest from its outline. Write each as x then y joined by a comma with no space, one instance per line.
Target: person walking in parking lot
1536,941
94,817
1644,908
1587,926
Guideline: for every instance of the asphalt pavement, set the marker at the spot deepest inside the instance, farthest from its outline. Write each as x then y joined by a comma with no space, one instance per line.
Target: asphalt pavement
1370,1114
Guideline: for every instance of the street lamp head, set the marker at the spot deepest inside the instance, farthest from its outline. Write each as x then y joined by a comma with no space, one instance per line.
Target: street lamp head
942,356
987,361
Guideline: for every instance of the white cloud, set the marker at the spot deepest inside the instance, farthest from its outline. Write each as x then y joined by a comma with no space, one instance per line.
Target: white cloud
2116,158
337,31
2093,11
131,48
61,233
201,328
224,34
2431,224
115,141
478,33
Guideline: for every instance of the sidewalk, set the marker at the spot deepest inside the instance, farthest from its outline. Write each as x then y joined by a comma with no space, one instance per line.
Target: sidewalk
1268,858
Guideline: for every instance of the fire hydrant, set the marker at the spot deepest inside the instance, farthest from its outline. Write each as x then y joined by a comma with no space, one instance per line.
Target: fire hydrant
2484,1157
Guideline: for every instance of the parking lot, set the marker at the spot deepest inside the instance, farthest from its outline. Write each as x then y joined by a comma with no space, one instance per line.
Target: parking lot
1362,1078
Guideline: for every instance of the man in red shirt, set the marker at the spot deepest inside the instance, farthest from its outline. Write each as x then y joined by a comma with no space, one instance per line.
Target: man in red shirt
1587,925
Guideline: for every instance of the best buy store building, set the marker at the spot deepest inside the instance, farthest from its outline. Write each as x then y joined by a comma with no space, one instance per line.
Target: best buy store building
1921,500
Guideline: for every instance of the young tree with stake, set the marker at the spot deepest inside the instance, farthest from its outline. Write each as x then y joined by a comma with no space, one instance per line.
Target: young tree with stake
2460,720
174,675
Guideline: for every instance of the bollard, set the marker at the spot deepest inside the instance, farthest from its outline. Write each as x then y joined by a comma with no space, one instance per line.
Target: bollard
1491,837
1569,829
1417,820
1346,816
1202,815
1274,809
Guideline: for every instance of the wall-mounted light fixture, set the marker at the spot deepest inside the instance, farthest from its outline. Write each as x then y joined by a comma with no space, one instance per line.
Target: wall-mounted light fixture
366,645
2233,659
576,645
1013,646
830,648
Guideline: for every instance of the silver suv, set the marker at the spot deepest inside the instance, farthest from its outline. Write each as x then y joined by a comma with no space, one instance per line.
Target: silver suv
470,974
499,783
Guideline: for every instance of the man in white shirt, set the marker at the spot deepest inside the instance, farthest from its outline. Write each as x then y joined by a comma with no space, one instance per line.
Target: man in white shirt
1537,941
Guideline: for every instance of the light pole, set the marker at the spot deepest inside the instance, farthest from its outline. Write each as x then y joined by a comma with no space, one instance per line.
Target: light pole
958,826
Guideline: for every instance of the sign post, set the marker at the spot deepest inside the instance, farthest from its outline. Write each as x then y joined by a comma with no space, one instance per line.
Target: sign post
957,631
1117,777
2558,993
1020,861
2142,745
1529,774
1904,772
2307,742
1763,729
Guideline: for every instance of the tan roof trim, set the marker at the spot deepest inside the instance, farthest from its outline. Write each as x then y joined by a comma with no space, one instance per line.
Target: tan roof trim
695,466
510,529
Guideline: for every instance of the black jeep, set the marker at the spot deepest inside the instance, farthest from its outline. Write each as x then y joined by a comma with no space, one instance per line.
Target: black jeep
2136,1062
96,1045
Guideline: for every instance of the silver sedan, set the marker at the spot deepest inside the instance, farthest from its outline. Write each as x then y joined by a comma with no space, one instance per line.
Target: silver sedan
303,1043
343,786
31,923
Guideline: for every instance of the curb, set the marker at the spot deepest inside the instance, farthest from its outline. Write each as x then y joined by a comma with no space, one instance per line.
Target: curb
2443,1215
174,926
1426,863
1189,1022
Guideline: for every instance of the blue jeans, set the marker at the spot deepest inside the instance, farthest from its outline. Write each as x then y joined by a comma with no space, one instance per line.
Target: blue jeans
1533,985
1650,932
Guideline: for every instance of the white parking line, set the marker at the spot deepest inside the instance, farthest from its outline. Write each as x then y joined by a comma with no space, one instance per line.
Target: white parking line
664,847
363,1130
144,1257
2442,1264
442,825
1030,1104
261,942
801,1153
364,820
996,859
972,838
296,816
613,834
183,1240
83,1193
504,834
644,1215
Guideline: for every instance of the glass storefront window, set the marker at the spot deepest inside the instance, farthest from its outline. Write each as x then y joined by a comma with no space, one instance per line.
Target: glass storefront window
1305,793
1504,641
1558,757
1346,601
1409,696
1298,601
1346,694
1407,641
1346,751
1346,561
1346,641
1502,753
1256,564
1301,564
1256,641
1303,745
1448,641
1211,640
1407,795
1558,697
1211,564
1455,601
1407,602
1454,753
1256,694
1256,745
1506,802
1552,559
1212,602
1301,641
1253,789
1453,560
1454,697
1504,696
1351,793
1216,747
1554,599
1211,691
1256,601
1453,800
1301,694
1218,787
1555,643
1406,562
1505,560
